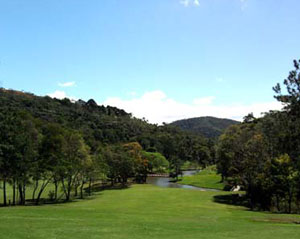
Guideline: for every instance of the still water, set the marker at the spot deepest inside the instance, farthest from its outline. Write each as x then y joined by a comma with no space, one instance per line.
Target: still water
165,182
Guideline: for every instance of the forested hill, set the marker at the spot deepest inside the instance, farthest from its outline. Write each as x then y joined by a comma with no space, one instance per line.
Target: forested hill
72,143
96,123
209,127
100,125
45,106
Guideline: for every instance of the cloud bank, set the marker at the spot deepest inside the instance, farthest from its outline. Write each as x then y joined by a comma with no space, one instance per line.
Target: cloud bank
58,94
157,107
187,3
196,3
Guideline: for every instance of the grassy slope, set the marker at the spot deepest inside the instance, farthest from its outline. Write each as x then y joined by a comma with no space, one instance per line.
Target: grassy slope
144,211
205,179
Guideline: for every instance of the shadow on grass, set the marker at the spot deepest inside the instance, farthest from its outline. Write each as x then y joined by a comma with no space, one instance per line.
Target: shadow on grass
175,180
270,216
232,199
96,190
98,187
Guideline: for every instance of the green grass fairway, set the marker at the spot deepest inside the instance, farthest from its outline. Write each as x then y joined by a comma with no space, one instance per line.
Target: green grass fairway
207,178
145,211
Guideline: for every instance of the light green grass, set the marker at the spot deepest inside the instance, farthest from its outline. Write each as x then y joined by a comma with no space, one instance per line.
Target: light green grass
207,178
144,212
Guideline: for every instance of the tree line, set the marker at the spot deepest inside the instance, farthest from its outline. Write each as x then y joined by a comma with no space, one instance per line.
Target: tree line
69,146
263,154
36,154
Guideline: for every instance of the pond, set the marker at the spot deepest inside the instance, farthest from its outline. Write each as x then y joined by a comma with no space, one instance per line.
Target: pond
166,182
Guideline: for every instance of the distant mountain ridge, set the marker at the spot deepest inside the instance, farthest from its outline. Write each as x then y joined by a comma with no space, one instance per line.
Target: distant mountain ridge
210,127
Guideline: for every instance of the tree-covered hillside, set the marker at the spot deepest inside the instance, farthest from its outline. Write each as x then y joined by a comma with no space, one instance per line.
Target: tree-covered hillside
45,141
210,127
96,123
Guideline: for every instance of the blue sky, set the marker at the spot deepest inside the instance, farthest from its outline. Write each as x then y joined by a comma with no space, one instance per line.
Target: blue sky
159,59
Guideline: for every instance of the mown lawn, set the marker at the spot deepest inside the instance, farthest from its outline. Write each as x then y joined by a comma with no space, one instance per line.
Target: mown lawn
207,178
145,211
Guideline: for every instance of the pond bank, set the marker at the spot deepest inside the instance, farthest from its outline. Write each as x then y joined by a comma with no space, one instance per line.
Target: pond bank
207,178
166,182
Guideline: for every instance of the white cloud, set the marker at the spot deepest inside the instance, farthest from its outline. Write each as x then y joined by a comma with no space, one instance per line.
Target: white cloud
156,107
244,4
187,3
204,101
67,84
61,95
58,94
132,93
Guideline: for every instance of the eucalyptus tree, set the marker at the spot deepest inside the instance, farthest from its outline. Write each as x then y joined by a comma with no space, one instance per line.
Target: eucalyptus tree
26,143
51,154
290,98
6,150
75,153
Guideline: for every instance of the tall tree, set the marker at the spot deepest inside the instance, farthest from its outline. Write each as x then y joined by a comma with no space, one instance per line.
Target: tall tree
75,152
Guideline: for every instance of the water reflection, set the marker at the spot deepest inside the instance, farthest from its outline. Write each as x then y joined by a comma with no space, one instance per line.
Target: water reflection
165,182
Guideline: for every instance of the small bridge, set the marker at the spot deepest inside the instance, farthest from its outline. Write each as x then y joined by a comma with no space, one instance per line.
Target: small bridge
162,175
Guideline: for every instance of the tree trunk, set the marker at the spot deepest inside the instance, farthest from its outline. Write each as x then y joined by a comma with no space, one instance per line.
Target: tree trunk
35,188
14,192
17,191
278,203
44,185
69,188
55,190
4,192
81,189
75,190
64,188
90,186
290,202
21,194
24,193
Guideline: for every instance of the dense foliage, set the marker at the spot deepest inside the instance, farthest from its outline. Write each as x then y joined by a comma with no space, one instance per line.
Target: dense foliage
263,155
70,145
210,127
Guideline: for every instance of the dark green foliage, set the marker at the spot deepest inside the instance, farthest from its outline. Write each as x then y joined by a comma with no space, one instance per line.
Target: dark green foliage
69,144
157,162
290,98
97,123
209,127
263,155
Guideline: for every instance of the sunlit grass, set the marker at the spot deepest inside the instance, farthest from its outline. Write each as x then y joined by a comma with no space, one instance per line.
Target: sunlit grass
207,178
145,211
